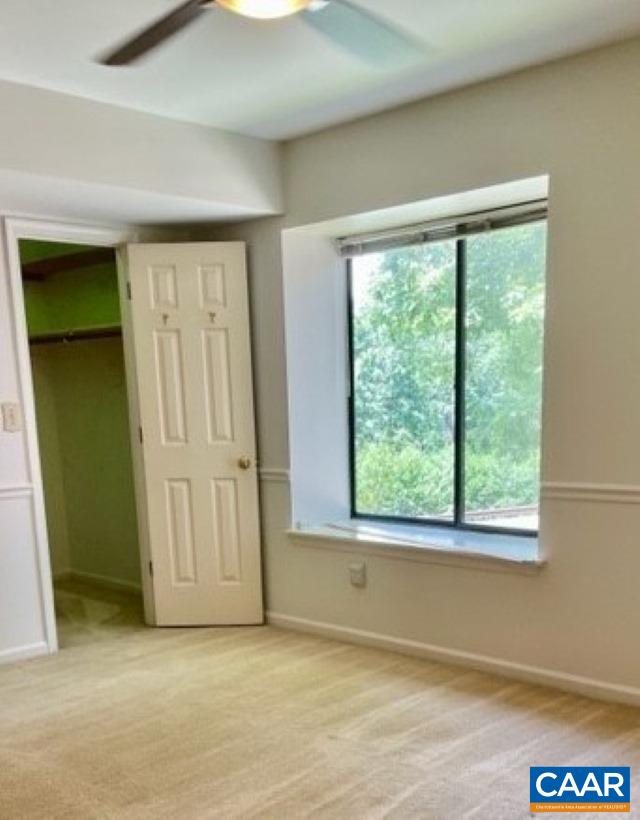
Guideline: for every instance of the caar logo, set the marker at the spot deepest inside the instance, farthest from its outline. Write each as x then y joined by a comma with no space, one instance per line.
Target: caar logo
580,788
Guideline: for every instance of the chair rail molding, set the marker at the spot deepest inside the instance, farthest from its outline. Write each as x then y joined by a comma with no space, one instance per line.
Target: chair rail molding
16,491
552,490
591,492
277,474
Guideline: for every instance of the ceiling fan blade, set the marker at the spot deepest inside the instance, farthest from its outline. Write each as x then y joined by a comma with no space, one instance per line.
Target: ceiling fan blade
155,34
363,34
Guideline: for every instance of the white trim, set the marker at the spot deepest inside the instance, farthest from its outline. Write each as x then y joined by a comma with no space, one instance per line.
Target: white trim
104,236
579,684
565,490
137,450
14,230
326,539
598,493
106,581
278,474
22,653
16,491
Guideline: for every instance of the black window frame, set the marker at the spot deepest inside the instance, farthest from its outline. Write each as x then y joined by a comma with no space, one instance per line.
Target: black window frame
457,522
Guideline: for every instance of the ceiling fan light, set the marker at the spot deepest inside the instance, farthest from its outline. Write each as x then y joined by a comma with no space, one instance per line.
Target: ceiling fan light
264,9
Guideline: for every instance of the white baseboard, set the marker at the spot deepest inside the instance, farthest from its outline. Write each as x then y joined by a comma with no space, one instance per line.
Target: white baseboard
602,690
100,580
22,653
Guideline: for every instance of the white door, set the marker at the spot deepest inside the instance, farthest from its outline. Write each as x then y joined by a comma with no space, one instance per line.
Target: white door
190,324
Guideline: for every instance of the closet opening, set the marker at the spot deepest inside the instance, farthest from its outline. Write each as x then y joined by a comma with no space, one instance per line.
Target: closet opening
72,305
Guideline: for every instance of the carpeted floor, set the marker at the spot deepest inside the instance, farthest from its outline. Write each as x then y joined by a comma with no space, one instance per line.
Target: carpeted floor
130,722
86,613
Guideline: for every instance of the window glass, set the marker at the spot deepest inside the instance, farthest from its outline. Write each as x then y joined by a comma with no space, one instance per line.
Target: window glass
403,353
505,272
446,359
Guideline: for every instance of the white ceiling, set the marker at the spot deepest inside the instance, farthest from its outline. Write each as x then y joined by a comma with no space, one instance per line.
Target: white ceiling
278,79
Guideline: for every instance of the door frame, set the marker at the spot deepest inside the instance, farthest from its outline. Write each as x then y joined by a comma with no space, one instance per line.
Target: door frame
16,229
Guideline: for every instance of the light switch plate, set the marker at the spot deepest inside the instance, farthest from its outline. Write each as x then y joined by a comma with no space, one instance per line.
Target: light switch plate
11,417
358,574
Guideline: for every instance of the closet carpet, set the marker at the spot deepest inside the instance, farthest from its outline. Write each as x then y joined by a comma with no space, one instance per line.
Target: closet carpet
131,722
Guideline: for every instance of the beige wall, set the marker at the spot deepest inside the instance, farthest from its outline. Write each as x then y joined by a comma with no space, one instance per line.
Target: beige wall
577,120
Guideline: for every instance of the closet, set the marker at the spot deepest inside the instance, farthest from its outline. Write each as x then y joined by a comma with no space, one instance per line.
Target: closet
75,340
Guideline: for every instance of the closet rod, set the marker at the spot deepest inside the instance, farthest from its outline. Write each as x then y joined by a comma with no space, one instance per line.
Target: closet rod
75,335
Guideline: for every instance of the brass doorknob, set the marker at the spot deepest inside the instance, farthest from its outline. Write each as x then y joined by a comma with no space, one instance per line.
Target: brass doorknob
244,463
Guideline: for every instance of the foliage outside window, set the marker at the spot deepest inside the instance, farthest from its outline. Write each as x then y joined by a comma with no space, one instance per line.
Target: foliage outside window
446,342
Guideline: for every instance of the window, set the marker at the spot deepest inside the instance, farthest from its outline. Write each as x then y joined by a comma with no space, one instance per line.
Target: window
446,342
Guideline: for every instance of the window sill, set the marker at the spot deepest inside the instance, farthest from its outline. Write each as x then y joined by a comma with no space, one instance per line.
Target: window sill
429,544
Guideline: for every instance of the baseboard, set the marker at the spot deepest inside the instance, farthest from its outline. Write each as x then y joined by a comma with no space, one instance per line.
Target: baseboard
22,653
100,580
602,690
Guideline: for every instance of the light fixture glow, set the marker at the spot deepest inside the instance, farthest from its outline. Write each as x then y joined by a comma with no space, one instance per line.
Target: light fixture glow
264,9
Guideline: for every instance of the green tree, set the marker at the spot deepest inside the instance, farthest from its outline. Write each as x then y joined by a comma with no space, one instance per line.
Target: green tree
404,361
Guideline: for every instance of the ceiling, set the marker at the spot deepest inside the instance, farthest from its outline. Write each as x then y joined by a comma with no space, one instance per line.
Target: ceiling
279,79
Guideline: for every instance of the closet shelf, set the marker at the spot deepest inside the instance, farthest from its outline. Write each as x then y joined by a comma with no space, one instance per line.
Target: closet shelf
40,269
76,335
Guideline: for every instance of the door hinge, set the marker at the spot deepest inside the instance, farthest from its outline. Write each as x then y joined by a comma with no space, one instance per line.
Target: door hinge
129,291
140,436
151,568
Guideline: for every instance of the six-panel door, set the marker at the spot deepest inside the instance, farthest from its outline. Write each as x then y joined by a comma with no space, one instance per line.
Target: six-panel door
193,361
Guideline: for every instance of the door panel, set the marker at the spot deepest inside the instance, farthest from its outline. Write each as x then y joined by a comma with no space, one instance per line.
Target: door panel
193,363
225,516
182,547
171,387
218,385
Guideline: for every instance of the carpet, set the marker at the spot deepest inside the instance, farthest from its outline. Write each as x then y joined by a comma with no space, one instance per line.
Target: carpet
258,722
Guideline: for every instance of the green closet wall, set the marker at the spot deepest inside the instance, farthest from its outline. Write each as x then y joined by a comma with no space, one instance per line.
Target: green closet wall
69,299
82,415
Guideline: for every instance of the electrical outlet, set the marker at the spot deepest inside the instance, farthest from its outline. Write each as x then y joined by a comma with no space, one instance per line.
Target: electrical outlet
358,574
11,417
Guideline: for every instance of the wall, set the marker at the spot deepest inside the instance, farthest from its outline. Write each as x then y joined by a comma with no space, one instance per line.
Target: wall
69,299
61,138
83,429
577,120
315,298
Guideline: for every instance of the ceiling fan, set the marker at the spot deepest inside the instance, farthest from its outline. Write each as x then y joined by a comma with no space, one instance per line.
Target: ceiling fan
358,31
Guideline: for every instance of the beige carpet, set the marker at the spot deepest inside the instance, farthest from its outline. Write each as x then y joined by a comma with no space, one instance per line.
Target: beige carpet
86,613
129,722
